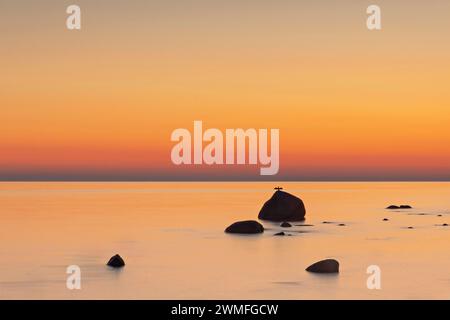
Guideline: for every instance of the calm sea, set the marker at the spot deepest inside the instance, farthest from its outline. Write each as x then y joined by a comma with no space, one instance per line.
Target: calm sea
171,237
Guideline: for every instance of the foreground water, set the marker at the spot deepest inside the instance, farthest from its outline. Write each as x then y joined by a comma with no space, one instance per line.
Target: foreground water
171,237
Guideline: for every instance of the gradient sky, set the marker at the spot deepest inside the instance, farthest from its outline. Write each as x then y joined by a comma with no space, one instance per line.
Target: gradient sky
101,103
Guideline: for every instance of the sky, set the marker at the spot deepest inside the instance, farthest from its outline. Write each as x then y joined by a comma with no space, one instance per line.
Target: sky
101,103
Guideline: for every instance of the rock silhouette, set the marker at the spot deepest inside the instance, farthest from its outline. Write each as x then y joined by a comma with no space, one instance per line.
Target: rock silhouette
283,206
403,206
324,266
285,225
280,234
245,227
116,261
393,207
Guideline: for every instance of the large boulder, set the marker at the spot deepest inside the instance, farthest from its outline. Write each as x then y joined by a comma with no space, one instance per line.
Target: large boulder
116,261
246,227
324,266
283,206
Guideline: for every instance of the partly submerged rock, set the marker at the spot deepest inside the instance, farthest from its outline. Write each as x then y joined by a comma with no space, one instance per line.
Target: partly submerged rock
403,206
280,234
385,219
116,261
324,266
393,207
283,206
341,225
246,227
285,225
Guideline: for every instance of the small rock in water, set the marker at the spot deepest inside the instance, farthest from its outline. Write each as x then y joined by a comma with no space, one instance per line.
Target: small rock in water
285,225
385,219
439,215
280,234
410,227
116,261
326,222
445,225
341,225
324,266
393,207
246,227
403,206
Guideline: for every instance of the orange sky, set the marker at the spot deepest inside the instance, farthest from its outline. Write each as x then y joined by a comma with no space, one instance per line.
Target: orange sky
101,103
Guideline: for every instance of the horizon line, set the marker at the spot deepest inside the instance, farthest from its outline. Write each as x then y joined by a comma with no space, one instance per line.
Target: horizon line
222,180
